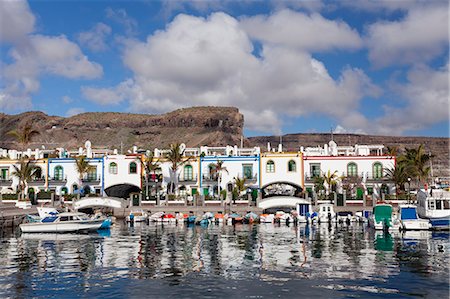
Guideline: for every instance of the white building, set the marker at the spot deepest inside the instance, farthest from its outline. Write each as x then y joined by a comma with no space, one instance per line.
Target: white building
363,165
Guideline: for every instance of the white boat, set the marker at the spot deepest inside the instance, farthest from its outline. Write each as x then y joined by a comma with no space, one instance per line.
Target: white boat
326,213
435,206
304,212
409,219
382,218
64,222
266,218
137,216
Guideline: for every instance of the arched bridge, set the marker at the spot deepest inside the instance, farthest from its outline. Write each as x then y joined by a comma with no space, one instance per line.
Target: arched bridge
281,194
90,202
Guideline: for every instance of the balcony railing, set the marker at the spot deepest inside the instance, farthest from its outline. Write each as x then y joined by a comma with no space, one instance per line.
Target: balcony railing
57,181
363,175
91,179
187,179
248,178
5,181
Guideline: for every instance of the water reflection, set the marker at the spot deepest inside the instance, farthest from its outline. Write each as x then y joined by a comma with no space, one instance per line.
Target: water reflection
346,260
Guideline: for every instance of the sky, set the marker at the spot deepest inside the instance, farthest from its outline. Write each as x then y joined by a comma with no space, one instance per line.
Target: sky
366,66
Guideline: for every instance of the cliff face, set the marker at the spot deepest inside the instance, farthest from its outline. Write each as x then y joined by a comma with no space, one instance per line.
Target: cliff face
437,146
194,126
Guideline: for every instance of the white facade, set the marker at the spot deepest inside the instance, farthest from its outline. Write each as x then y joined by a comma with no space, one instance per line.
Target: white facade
63,176
122,169
281,167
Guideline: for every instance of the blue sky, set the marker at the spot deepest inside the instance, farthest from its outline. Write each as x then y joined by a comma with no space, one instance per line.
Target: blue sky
374,67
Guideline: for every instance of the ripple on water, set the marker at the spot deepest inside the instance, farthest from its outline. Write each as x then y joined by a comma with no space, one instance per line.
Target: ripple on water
256,261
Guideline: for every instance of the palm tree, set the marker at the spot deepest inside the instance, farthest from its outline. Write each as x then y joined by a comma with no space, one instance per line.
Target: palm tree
398,174
392,151
149,166
417,163
218,168
83,167
176,157
24,173
240,184
25,134
330,180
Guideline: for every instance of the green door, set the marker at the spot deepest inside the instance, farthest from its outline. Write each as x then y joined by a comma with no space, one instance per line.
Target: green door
359,193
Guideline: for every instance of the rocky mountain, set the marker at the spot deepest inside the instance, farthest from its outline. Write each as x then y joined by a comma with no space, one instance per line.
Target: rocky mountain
213,126
193,126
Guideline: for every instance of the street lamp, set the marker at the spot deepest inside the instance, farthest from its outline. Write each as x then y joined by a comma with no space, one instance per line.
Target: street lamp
409,190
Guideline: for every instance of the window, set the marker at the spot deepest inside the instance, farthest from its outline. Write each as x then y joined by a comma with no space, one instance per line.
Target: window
92,174
113,168
377,170
133,167
247,170
352,169
74,188
64,191
59,173
270,166
292,166
4,173
315,170
188,174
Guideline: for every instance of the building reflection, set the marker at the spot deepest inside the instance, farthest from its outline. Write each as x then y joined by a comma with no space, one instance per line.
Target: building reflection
267,252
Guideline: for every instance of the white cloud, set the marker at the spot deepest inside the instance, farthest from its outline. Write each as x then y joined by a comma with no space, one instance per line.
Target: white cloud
67,99
121,17
301,31
419,37
16,21
209,61
32,55
108,96
427,102
74,111
94,39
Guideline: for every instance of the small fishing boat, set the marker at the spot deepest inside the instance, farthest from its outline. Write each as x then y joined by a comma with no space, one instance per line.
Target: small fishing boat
65,222
236,218
409,219
382,218
435,206
266,218
190,219
218,218
326,213
137,216
156,217
251,218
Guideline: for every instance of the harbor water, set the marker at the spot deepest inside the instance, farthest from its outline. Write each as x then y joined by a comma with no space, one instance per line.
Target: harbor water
220,261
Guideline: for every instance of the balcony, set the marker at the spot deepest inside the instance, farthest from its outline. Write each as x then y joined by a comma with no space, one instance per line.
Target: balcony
188,180
57,181
91,180
5,182
209,178
37,182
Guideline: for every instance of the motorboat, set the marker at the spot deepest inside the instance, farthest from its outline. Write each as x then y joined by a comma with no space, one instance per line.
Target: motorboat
251,217
266,218
137,216
410,220
435,206
326,213
64,222
382,218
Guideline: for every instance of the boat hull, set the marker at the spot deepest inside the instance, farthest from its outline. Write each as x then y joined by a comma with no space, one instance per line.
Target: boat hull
442,223
418,224
61,227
